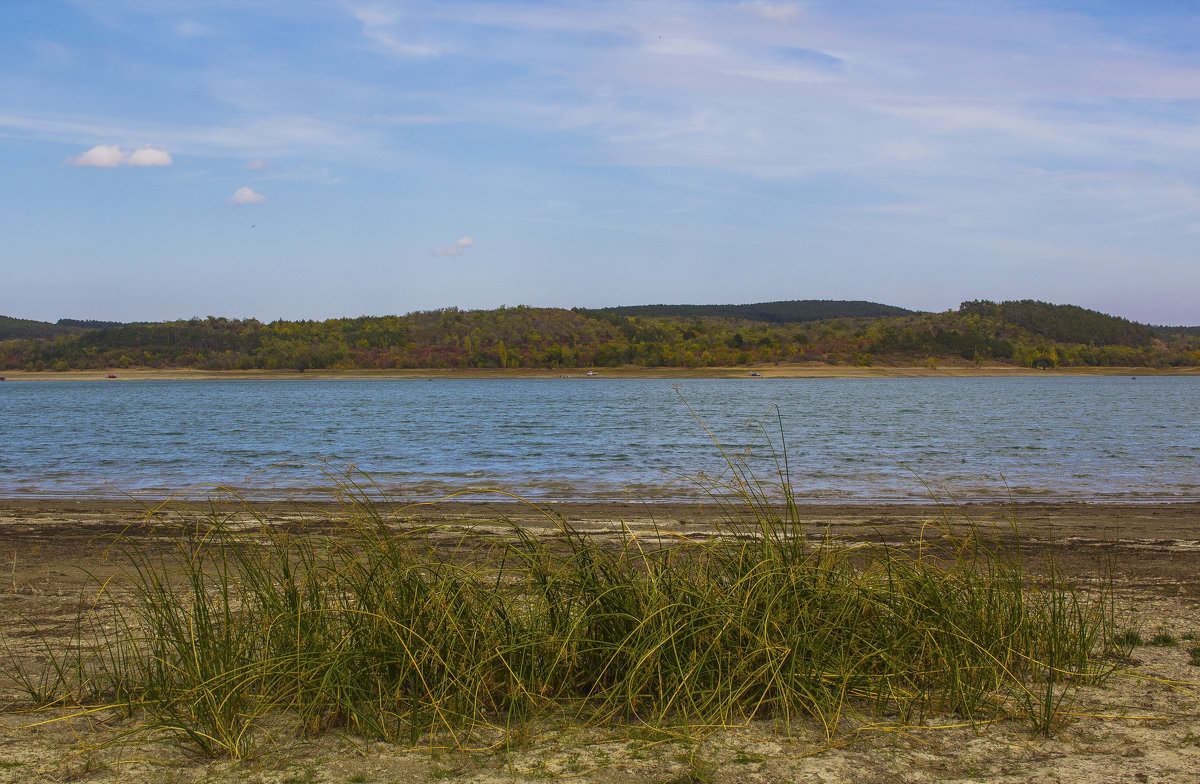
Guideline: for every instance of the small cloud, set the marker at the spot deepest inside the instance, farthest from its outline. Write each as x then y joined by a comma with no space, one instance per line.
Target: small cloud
256,165
244,195
108,156
457,249
102,155
779,13
148,156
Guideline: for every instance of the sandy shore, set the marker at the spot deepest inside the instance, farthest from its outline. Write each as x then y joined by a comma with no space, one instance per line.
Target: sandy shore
799,370
1149,543
1144,725
1164,525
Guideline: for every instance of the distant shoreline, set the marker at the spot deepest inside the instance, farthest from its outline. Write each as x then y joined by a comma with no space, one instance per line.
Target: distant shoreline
805,370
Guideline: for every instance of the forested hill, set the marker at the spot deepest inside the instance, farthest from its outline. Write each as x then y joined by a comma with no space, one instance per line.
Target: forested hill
1064,323
785,312
1025,333
27,328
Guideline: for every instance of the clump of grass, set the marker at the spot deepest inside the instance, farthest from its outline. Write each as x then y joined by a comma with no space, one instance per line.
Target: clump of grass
1128,639
416,633
1194,652
1164,640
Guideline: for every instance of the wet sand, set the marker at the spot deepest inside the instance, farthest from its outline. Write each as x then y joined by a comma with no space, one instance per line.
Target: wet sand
1149,537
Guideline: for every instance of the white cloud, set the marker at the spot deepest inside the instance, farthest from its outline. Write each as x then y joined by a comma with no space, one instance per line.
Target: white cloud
245,195
256,165
102,155
457,249
111,155
148,156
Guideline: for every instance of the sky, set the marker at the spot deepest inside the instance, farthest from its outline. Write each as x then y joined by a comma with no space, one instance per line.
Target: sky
292,159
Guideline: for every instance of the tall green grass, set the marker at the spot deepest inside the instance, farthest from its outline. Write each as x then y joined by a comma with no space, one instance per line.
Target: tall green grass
457,635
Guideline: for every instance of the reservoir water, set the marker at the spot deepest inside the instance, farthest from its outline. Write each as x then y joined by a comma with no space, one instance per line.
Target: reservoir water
896,440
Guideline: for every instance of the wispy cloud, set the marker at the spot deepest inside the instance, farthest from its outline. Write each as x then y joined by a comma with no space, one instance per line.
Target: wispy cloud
778,88
985,129
244,195
457,249
377,20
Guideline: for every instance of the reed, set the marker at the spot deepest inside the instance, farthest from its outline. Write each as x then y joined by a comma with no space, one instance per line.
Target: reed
447,636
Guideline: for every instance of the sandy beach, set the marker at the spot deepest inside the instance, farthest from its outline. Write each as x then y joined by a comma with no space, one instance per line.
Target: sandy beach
1143,725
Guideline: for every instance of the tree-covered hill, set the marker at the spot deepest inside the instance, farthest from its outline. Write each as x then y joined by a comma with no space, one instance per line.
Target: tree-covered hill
1025,333
784,312
1065,323
12,328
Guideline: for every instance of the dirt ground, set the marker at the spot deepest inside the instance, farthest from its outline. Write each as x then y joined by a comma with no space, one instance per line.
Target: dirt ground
1142,726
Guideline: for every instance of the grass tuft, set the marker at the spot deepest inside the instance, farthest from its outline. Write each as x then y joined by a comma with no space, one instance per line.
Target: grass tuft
1164,640
1129,639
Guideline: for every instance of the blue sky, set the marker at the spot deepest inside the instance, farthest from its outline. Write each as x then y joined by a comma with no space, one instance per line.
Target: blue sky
289,159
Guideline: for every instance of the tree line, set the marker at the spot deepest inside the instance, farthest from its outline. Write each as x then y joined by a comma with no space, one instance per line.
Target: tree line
1026,333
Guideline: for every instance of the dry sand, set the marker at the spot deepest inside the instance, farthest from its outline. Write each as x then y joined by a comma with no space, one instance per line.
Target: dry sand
1144,725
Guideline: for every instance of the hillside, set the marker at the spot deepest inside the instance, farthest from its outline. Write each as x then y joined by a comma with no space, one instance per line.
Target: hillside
784,312
1064,323
1027,333
14,328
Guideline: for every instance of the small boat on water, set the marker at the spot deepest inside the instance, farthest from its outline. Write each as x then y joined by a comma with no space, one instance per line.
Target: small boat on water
110,375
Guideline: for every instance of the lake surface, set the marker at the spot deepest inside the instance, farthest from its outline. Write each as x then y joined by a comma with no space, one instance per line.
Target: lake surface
1053,438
